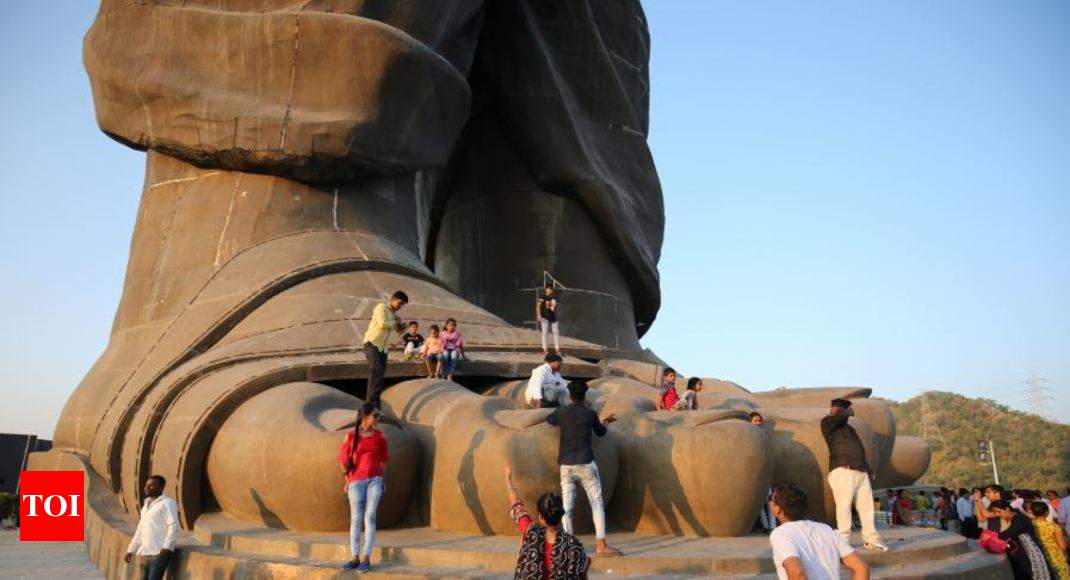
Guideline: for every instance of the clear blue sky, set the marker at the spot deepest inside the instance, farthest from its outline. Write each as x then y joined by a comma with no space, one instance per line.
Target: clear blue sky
856,194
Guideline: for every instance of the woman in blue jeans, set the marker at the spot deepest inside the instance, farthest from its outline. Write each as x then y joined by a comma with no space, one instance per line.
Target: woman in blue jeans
363,456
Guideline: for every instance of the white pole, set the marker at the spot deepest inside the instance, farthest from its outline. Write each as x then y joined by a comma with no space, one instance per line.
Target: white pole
995,471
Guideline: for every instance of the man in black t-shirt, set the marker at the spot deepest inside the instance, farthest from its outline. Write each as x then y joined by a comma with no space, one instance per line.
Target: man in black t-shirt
575,455
849,474
413,341
546,316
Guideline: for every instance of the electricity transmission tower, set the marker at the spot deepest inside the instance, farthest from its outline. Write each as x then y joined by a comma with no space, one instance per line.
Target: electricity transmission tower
929,428
1037,393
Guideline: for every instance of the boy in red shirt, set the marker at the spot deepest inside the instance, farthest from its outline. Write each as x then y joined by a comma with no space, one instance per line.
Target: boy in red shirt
668,397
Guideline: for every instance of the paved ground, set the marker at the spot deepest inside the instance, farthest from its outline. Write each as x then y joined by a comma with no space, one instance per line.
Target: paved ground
248,537
43,560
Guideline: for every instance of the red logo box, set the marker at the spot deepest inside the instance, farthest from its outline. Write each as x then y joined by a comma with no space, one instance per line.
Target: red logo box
52,506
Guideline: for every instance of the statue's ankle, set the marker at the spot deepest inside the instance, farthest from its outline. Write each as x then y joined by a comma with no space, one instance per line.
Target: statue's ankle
498,251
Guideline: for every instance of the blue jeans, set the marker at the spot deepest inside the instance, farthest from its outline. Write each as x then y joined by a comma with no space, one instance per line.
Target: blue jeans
588,476
364,498
449,361
154,567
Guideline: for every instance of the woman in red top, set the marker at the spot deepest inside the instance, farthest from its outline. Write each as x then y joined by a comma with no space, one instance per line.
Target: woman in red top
547,552
363,463
901,510
1053,499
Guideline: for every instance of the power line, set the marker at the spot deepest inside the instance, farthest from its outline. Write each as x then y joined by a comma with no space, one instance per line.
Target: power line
929,428
1037,393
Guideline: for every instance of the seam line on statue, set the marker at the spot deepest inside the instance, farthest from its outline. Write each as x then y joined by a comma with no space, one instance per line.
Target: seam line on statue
184,179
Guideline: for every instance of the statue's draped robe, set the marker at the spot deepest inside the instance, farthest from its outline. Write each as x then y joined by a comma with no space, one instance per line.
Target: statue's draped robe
339,91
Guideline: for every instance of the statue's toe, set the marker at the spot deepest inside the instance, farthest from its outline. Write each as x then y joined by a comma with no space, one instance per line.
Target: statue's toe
274,460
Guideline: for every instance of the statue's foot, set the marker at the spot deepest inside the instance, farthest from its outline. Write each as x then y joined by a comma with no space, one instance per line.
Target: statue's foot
291,309
294,309
670,460
792,421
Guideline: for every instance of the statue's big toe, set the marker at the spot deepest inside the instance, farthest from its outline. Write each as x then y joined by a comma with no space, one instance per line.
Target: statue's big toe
910,459
274,461
676,470
468,438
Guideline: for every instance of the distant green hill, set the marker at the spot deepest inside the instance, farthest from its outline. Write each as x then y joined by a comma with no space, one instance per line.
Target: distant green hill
1031,452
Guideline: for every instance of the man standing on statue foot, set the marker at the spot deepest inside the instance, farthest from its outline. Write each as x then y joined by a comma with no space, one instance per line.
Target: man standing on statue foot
377,341
849,474
575,455
546,317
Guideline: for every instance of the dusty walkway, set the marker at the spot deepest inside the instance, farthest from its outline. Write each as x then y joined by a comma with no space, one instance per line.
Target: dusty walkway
43,560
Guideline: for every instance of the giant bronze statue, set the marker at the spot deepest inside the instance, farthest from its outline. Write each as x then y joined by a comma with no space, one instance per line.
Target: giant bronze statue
305,160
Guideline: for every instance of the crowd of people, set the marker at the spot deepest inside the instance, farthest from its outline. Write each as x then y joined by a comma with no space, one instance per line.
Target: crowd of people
1028,526
548,548
364,452
801,548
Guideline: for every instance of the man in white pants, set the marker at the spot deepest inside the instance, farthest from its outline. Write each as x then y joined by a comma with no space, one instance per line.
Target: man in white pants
849,474
575,454
546,387
546,316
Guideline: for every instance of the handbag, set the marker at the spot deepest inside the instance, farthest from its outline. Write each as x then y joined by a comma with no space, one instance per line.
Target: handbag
990,542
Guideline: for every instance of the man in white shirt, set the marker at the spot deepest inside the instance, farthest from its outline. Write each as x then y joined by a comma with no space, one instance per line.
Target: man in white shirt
804,549
157,530
964,507
888,503
1062,515
546,388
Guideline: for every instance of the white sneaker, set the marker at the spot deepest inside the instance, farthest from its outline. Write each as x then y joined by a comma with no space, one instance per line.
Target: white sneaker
877,546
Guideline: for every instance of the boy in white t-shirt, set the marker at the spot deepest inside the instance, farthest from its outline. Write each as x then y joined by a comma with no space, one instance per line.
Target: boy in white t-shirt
805,549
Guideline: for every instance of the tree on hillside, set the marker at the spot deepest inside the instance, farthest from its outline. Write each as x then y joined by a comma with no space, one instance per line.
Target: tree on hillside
1031,452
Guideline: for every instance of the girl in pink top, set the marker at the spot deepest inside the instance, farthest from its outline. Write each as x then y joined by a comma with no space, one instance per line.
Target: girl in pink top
432,353
452,347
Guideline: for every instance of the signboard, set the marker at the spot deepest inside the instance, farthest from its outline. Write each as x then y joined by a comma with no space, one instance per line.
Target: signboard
982,452
51,506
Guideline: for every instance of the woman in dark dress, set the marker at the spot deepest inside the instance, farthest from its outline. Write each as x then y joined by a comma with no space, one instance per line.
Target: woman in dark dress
1024,553
547,552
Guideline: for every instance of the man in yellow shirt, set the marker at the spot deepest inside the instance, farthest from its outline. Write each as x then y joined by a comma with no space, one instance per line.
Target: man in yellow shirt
377,340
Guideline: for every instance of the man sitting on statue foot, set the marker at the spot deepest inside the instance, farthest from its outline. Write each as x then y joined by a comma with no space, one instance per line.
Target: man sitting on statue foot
546,387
